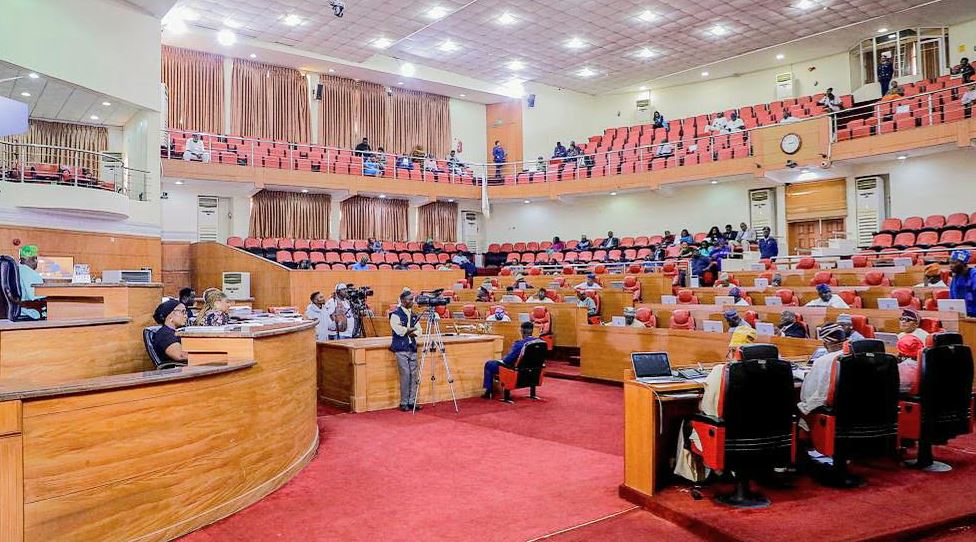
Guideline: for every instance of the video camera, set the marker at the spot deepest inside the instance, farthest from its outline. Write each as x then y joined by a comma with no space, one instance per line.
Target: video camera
357,295
433,298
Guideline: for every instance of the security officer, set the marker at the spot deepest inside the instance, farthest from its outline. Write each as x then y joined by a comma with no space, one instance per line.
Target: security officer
406,327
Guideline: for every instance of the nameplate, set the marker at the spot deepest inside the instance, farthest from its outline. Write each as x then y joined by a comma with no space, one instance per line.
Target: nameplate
952,305
712,326
887,303
765,329
724,300
902,262
761,283
845,264
669,300
774,301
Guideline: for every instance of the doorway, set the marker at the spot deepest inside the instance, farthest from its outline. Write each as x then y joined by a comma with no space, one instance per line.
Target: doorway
806,235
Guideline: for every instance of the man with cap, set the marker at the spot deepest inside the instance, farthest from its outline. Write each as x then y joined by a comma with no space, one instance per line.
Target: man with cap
742,332
510,296
541,297
520,282
909,347
789,327
584,301
361,265
816,385
736,293
484,294
589,284
826,298
406,326
933,277
170,315
630,318
499,315
29,277
963,284
908,325
723,281
846,323
315,311
338,314
491,366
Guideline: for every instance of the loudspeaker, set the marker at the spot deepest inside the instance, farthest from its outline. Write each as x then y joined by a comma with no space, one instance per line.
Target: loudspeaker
318,92
531,99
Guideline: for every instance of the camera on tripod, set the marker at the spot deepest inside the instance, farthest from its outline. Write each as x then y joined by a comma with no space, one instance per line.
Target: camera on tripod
433,298
357,296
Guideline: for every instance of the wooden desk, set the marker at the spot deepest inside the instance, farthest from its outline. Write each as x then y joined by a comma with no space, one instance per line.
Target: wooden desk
155,455
612,300
605,350
900,276
508,331
362,373
566,317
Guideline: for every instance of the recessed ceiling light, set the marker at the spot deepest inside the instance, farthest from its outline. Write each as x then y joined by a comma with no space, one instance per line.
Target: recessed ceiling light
714,182
178,182
644,52
382,43
231,23
331,70
399,82
804,4
93,117
780,56
382,196
407,69
903,157
25,94
107,104
526,201
175,25
613,193
719,30
448,46
882,30
252,55
292,20
304,190
704,74
188,14
437,12
226,37
642,87
450,201
515,65
586,72
575,43
647,16
33,75
506,18
461,95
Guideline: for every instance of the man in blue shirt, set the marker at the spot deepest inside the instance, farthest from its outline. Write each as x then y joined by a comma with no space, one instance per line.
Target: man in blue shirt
361,265
491,366
29,277
559,151
963,285
767,245
498,156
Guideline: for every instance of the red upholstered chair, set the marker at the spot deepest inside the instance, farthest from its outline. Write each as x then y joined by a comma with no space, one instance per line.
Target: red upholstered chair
542,320
632,285
875,278
635,268
494,248
823,277
859,260
595,296
687,297
505,271
527,373
235,242
913,223
535,271
682,319
600,269
471,312
751,317
891,225
851,298
442,311
932,303
906,298
860,324
670,268
569,270
284,257
957,220
934,222
806,263
645,316
932,325
787,297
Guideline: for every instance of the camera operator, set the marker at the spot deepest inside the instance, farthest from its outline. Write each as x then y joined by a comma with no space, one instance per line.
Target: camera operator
315,311
338,314
406,327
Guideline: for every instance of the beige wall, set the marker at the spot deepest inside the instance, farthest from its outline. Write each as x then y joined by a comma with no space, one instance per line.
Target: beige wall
469,126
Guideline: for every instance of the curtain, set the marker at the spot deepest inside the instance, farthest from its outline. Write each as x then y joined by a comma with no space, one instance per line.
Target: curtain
438,220
398,121
70,138
269,102
195,86
290,214
384,219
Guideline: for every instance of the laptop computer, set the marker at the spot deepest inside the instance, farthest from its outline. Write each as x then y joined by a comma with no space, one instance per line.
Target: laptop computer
652,367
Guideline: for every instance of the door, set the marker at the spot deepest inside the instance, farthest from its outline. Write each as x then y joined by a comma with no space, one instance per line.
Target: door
807,235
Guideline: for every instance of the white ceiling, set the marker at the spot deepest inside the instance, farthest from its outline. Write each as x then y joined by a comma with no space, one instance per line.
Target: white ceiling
52,99
679,36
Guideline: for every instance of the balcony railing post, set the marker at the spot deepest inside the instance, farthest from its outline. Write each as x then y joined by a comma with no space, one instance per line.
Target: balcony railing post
931,112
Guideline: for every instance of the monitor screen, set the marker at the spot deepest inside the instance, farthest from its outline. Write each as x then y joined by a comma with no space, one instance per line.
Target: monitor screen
56,267
650,364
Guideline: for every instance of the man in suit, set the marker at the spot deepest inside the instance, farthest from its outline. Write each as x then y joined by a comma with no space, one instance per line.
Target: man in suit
610,241
491,366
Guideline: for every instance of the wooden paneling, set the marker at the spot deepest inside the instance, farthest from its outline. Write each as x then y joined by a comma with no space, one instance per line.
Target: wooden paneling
815,200
100,250
9,417
814,142
176,267
11,488
156,462
959,133
505,125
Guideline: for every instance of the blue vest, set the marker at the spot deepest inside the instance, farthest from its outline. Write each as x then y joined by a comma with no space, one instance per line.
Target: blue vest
407,320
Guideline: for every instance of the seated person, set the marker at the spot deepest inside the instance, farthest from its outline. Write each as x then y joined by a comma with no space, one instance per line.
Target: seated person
685,237
895,91
777,280
419,154
371,166
429,247
827,299
540,297
659,121
933,277
742,332
668,238
29,277
188,298
430,164
816,385
719,123
909,347
830,102
584,301
195,150
491,366
737,298
361,265
559,151
589,283
722,281
444,266
404,162
735,124
908,325
557,245
789,327
363,148
846,323
454,164
520,282
968,99
374,245
584,243
687,251
510,296
170,315
215,309
788,118
499,315
484,293
610,241
630,318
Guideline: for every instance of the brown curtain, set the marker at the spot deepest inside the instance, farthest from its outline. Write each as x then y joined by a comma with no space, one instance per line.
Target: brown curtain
269,102
438,220
384,219
290,214
195,84
398,122
69,138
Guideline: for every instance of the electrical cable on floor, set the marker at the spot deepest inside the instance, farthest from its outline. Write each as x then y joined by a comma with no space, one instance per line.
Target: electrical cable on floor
586,524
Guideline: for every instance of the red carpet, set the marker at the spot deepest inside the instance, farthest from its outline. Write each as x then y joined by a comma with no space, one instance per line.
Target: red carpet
637,525
494,472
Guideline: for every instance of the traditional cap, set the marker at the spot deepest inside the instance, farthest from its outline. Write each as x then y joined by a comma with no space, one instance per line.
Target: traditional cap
932,269
844,319
164,309
832,334
28,251
957,255
629,311
499,310
822,288
340,286
911,313
405,292
730,314
909,346
591,275
723,276
735,291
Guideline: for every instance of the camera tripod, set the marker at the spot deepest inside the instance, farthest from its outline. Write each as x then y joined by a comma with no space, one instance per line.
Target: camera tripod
362,317
432,343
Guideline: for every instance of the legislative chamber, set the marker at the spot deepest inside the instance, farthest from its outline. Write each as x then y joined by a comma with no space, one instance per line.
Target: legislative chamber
340,270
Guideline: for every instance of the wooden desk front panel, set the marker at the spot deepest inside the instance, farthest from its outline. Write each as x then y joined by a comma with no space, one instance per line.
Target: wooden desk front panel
900,276
156,462
605,350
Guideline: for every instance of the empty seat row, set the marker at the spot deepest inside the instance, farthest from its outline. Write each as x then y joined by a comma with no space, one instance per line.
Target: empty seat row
345,245
931,222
